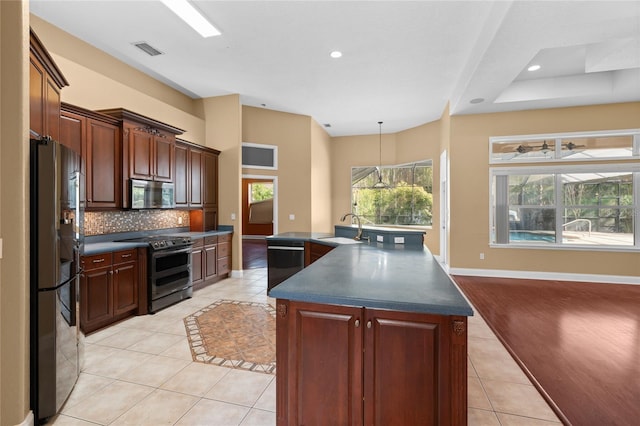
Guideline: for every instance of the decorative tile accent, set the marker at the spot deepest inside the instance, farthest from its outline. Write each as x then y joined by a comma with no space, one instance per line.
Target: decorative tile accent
234,334
98,223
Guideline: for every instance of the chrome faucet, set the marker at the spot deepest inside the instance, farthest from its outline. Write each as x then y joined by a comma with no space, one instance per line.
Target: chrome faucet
344,217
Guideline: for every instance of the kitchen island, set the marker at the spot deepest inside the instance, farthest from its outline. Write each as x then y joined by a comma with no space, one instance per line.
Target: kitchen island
371,334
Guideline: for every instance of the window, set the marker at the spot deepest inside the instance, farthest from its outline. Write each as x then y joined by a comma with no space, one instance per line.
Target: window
258,156
591,205
406,198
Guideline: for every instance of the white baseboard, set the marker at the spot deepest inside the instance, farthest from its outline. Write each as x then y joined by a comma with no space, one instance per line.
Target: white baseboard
237,274
537,275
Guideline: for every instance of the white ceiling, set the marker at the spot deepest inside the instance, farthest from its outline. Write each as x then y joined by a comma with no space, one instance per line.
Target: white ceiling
402,60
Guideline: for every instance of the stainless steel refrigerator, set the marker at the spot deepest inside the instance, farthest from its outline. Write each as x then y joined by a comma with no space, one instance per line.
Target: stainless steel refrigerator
56,242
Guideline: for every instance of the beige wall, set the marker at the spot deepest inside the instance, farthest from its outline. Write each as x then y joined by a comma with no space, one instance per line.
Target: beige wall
99,81
291,133
321,220
355,151
469,152
223,117
14,212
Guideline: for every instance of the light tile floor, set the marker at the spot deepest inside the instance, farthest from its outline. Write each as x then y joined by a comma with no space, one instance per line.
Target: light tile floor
140,372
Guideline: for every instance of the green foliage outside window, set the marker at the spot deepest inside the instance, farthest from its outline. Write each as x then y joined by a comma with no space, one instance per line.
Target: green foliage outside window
261,191
407,200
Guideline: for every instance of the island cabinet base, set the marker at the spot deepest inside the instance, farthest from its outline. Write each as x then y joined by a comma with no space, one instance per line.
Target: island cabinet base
346,365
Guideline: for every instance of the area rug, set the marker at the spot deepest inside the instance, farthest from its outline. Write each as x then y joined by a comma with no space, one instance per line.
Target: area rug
578,342
234,334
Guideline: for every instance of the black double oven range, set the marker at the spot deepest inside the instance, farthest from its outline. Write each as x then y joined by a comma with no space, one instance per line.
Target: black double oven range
168,269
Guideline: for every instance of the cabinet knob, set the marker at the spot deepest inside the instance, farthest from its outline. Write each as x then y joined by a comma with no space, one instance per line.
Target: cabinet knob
368,324
357,323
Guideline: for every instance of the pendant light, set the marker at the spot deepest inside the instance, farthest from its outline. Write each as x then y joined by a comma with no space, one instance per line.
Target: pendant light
380,184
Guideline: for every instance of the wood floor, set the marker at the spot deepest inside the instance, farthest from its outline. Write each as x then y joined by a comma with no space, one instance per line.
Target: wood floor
254,253
578,342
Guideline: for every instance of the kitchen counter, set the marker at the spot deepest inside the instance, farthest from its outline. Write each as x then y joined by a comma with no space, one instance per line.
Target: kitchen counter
299,236
106,243
385,276
379,331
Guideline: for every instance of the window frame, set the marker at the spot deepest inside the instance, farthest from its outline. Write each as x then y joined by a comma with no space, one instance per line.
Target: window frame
393,166
558,171
273,148
557,139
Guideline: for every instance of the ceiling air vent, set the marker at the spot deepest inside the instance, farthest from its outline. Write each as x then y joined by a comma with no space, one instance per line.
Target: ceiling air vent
147,48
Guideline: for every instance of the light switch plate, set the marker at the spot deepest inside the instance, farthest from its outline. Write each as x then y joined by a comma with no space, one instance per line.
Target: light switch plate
0,248
233,216
398,240
292,216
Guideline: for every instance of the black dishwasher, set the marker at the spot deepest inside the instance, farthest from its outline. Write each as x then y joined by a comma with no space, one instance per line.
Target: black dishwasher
284,258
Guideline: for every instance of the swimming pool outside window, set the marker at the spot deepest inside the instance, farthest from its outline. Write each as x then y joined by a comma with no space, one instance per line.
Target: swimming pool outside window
571,205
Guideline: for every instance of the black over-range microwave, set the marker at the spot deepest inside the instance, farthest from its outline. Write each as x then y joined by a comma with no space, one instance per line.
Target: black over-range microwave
147,194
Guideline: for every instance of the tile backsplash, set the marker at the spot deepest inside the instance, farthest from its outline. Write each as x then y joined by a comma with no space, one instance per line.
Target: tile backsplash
98,223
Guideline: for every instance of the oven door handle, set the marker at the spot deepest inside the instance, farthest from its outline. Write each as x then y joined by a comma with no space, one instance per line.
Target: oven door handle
169,252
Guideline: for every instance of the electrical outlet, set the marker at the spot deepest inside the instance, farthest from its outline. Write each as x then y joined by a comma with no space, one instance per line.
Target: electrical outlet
398,240
380,238
179,220
233,216
481,256
0,248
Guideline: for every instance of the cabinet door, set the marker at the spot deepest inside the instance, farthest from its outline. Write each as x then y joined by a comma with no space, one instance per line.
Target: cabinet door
52,109
125,287
37,78
405,368
182,178
195,177
211,261
96,301
324,364
210,177
73,134
163,149
103,180
197,255
140,154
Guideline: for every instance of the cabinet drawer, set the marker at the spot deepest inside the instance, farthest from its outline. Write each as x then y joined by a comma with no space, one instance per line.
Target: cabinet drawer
224,238
213,239
223,249
125,256
96,261
224,265
198,242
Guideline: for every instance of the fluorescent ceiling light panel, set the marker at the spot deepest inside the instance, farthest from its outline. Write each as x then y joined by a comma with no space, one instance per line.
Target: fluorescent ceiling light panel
191,16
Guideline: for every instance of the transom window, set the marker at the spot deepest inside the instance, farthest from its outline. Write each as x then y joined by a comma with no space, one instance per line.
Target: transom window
594,204
393,195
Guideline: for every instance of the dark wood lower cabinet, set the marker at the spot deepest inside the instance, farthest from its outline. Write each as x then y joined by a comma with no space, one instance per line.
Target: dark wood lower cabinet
352,366
210,259
110,289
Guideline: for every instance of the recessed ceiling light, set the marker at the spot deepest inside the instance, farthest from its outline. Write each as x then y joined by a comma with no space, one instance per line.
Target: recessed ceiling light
533,68
336,54
191,16
476,101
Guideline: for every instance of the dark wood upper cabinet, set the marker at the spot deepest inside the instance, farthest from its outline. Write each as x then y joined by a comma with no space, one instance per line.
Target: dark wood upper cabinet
210,179
97,138
148,147
181,193
45,82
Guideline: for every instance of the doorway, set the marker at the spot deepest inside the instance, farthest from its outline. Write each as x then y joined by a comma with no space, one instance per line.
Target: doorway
258,206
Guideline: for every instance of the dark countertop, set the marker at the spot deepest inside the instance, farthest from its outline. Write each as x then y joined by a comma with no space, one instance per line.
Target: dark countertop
303,236
102,245
384,276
